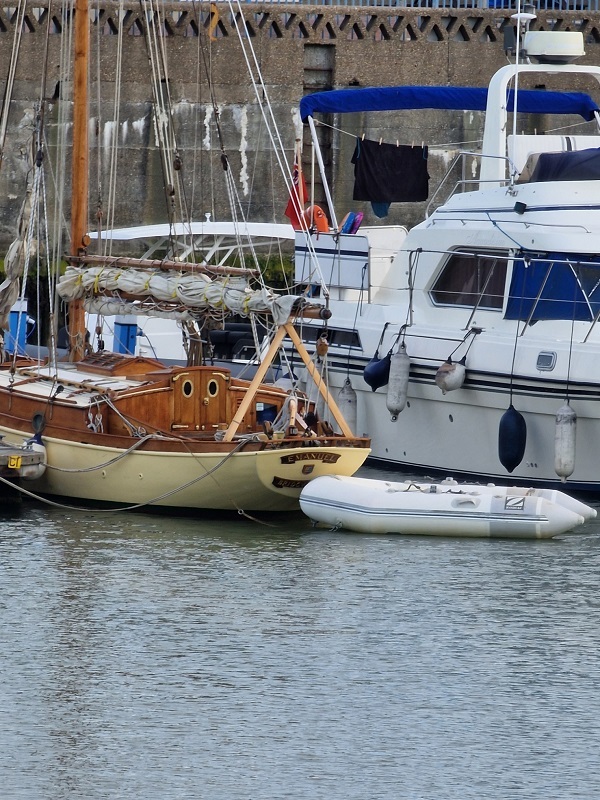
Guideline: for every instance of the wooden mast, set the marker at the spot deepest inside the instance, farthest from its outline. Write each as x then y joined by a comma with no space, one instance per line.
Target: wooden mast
79,176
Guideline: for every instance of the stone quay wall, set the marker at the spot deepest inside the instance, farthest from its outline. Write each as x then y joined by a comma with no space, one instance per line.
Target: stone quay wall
295,48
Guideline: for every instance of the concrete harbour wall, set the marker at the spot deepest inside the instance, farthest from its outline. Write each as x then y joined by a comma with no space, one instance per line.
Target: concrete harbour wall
297,48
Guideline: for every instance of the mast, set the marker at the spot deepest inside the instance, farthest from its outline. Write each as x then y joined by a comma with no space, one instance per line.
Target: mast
79,176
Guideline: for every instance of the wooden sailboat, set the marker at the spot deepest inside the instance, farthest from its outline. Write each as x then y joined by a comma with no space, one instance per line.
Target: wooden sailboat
137,432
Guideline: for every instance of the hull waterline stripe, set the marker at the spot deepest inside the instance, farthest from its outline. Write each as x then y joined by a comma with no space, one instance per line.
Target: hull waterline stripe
412,513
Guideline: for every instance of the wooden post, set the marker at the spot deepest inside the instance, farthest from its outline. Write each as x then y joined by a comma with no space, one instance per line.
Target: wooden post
262,371
320,383
254,385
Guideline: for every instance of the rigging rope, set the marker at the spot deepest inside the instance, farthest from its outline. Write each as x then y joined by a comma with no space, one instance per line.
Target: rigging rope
267,112
112,176
10,80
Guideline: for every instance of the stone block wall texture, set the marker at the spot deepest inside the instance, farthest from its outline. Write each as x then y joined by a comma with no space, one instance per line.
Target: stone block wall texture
294,49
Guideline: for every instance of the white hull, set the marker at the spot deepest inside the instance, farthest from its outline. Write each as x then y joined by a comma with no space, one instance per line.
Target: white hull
458,433
382,507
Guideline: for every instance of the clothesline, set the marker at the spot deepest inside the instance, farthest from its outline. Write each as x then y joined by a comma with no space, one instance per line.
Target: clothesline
354,136
453,144
567,127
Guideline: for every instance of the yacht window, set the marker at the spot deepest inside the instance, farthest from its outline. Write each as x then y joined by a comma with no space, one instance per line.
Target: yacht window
346,338
471,279
308,334
335,336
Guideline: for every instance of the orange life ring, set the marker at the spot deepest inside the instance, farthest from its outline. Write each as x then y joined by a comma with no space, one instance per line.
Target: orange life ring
315,217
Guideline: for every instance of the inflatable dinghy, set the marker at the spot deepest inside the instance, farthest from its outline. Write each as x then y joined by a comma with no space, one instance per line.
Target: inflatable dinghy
441,509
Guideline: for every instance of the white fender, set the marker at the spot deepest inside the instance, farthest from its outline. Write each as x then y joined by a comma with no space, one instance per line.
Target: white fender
293,408
451,375
564,441
347,404
397,390
32,472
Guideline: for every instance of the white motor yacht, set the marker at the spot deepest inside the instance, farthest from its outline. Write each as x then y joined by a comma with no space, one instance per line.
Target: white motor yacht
470,344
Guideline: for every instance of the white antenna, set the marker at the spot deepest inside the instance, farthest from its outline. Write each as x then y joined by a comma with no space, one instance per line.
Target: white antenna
523,20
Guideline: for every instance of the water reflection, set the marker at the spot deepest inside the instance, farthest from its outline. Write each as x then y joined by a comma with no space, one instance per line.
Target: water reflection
150,657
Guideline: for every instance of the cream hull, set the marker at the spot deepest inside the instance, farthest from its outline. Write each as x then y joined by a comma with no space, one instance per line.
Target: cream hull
269,480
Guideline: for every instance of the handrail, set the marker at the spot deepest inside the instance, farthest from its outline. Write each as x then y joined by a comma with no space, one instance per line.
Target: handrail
466,181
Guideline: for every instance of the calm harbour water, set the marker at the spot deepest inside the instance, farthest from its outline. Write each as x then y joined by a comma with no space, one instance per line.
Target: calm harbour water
153,658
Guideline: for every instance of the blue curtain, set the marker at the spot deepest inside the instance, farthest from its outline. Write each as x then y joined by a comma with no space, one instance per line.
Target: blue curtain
571,287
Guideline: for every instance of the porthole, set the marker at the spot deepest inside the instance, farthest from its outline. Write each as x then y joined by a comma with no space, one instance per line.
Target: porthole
546,360
213,388
38,422
187,388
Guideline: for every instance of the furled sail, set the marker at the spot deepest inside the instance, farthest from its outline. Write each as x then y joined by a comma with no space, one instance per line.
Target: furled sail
193,291
14,264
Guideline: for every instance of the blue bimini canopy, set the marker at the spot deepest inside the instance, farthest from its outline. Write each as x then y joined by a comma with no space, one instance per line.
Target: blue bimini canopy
399,98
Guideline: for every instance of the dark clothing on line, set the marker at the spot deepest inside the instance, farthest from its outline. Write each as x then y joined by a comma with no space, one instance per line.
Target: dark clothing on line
388,173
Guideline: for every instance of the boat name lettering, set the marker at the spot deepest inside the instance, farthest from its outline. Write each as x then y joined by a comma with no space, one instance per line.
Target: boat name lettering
285,483
326,458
